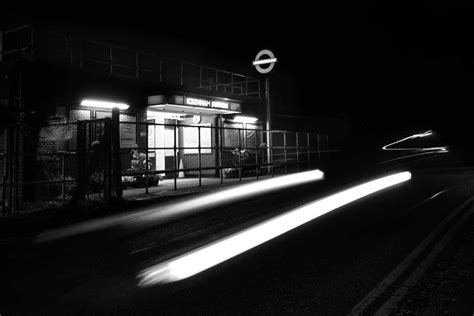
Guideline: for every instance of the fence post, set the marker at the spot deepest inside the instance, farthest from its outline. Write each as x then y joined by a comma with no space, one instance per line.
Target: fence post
297,153
285,153
146,160
175,175
308,150
81,162
240,155
257,164
116,156
63,184
199,157
107,146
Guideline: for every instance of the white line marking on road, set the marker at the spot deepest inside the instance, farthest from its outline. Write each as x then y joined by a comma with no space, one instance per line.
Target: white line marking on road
395,273
392,303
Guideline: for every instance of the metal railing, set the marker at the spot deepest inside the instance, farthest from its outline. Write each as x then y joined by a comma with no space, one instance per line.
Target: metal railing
224,152
76,155
100,57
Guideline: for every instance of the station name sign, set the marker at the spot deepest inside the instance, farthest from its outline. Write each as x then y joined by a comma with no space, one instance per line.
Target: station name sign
207,103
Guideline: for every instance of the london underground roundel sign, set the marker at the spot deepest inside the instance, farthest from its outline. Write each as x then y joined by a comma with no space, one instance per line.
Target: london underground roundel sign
264,58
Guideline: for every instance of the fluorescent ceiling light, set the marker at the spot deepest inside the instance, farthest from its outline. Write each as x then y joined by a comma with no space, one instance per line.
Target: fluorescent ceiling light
104,104
245,119
207,256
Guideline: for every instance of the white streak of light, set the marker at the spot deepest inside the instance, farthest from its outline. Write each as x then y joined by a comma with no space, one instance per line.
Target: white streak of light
221,250
161,214
427,133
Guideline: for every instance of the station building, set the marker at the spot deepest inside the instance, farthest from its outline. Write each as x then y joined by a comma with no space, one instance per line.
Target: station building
168,106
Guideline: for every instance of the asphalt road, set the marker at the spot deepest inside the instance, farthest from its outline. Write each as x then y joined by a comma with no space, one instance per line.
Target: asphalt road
324,267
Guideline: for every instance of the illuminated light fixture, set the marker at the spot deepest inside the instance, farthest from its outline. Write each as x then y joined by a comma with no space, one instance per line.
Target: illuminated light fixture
427,133
245,119
104,104
205,257
166,115
157,215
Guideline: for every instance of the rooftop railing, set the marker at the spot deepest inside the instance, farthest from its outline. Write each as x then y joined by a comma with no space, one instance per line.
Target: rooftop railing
100,57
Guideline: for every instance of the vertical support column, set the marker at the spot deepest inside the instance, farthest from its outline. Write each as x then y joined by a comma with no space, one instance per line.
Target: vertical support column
116,155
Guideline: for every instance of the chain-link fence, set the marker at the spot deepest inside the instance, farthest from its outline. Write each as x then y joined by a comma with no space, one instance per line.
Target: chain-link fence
40,178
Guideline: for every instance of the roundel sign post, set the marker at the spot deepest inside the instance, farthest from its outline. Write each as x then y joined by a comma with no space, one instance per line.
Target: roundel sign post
264,63
265,58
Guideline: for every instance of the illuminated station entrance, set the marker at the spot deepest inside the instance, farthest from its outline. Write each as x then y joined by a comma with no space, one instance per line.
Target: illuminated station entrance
183,133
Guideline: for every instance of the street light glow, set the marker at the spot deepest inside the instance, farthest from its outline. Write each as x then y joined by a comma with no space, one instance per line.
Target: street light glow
205,257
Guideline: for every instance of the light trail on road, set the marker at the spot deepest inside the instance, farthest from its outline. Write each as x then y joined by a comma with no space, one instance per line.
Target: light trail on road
205,257
158,215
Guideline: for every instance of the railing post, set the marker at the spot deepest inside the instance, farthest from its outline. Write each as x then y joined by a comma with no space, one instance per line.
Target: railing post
308,150
200,76
175,159
137,66
220,144
257,164
297,153
199,157
240,156
319,148
111,60
146,159
284,152
116,155
161,70
63,183
106,146
81,162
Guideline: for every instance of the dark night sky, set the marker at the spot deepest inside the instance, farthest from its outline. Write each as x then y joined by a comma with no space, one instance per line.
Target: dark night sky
380,63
